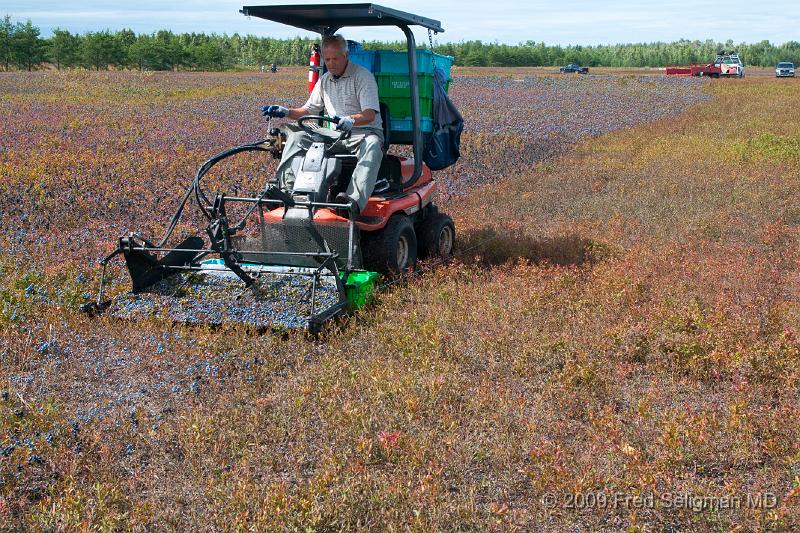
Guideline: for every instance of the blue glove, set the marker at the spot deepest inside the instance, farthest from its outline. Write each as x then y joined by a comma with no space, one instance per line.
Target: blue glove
275,111
345,124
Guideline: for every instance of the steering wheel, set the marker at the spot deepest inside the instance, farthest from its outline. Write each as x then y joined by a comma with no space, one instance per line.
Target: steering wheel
315,131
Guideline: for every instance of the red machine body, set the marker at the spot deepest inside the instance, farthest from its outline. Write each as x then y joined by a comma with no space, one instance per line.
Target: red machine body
380,208
726,64
695,70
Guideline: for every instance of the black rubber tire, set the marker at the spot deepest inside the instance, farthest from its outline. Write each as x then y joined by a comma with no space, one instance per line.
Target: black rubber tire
392,249
437,236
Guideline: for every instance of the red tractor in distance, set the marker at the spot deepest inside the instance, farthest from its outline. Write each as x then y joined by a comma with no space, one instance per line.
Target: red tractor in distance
726,64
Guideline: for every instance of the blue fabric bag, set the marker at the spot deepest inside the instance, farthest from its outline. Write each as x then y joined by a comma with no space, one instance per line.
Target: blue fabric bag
443,147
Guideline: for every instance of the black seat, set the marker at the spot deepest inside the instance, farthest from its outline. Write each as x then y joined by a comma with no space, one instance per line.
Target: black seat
389,179
384,182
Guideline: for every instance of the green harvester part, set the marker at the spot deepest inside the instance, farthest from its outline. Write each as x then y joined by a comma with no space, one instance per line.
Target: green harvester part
360,286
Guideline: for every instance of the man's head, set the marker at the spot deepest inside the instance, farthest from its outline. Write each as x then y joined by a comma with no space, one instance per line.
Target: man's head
334,53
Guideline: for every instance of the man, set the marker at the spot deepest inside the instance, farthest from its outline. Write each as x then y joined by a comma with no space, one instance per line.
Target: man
347,91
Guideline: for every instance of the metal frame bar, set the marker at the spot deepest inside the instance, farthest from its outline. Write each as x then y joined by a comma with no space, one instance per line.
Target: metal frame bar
211,251
220,233
313,319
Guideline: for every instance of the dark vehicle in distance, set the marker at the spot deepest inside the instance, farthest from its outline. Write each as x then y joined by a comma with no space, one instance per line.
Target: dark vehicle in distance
574,67
784,70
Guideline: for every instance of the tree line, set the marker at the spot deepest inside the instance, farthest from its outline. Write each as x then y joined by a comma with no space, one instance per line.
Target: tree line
23,48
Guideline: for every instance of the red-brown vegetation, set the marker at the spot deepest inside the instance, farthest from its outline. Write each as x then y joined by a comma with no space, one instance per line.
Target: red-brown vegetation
620,327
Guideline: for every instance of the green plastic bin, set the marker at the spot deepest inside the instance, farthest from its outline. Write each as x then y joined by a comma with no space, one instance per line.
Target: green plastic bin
394,90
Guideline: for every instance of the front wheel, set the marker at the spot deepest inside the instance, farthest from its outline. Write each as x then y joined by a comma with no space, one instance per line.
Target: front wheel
392,249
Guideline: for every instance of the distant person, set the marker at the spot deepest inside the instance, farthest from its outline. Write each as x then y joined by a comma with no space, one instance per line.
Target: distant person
348,91
273,68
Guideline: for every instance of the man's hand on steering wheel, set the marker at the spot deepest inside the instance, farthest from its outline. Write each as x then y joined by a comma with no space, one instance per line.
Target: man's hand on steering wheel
345,124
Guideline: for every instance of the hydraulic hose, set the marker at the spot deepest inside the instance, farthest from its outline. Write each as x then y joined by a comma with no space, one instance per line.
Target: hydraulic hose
202,199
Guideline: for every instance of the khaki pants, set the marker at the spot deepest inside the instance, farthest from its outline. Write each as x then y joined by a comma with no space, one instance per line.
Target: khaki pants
366,144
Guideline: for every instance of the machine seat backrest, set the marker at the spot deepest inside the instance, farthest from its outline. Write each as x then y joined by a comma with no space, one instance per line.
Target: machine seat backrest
386,118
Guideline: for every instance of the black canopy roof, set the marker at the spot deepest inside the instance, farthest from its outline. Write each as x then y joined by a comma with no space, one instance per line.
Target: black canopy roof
322,18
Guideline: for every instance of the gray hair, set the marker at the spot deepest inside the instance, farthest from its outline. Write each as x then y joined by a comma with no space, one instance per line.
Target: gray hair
338,40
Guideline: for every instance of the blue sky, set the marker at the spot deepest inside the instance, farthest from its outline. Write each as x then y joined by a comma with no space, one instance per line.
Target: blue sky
505,21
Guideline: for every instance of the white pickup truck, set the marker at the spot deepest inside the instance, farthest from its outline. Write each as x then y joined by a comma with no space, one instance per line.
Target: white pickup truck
730,64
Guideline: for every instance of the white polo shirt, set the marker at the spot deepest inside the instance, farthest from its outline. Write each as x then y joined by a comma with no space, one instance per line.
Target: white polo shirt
353,92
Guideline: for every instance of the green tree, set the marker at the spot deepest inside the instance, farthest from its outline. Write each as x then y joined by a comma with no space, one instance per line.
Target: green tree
27,48
98,49
475,58
208,56
64,48
123,40
143,53
6,35
171,53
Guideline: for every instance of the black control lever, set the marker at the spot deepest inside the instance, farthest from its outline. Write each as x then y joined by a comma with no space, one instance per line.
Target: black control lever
276,193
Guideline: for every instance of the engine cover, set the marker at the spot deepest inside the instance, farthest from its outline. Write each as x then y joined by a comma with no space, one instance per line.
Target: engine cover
315,174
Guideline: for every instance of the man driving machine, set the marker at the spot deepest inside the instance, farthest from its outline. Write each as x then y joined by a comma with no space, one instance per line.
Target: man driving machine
347,91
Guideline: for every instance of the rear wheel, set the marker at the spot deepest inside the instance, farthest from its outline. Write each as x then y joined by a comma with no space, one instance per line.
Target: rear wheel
392,249
438,236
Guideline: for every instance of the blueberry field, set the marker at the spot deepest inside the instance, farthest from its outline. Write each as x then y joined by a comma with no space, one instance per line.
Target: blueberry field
614,346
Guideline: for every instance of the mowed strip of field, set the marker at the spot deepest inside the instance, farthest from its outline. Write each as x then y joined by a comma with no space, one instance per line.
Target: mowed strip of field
621,322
